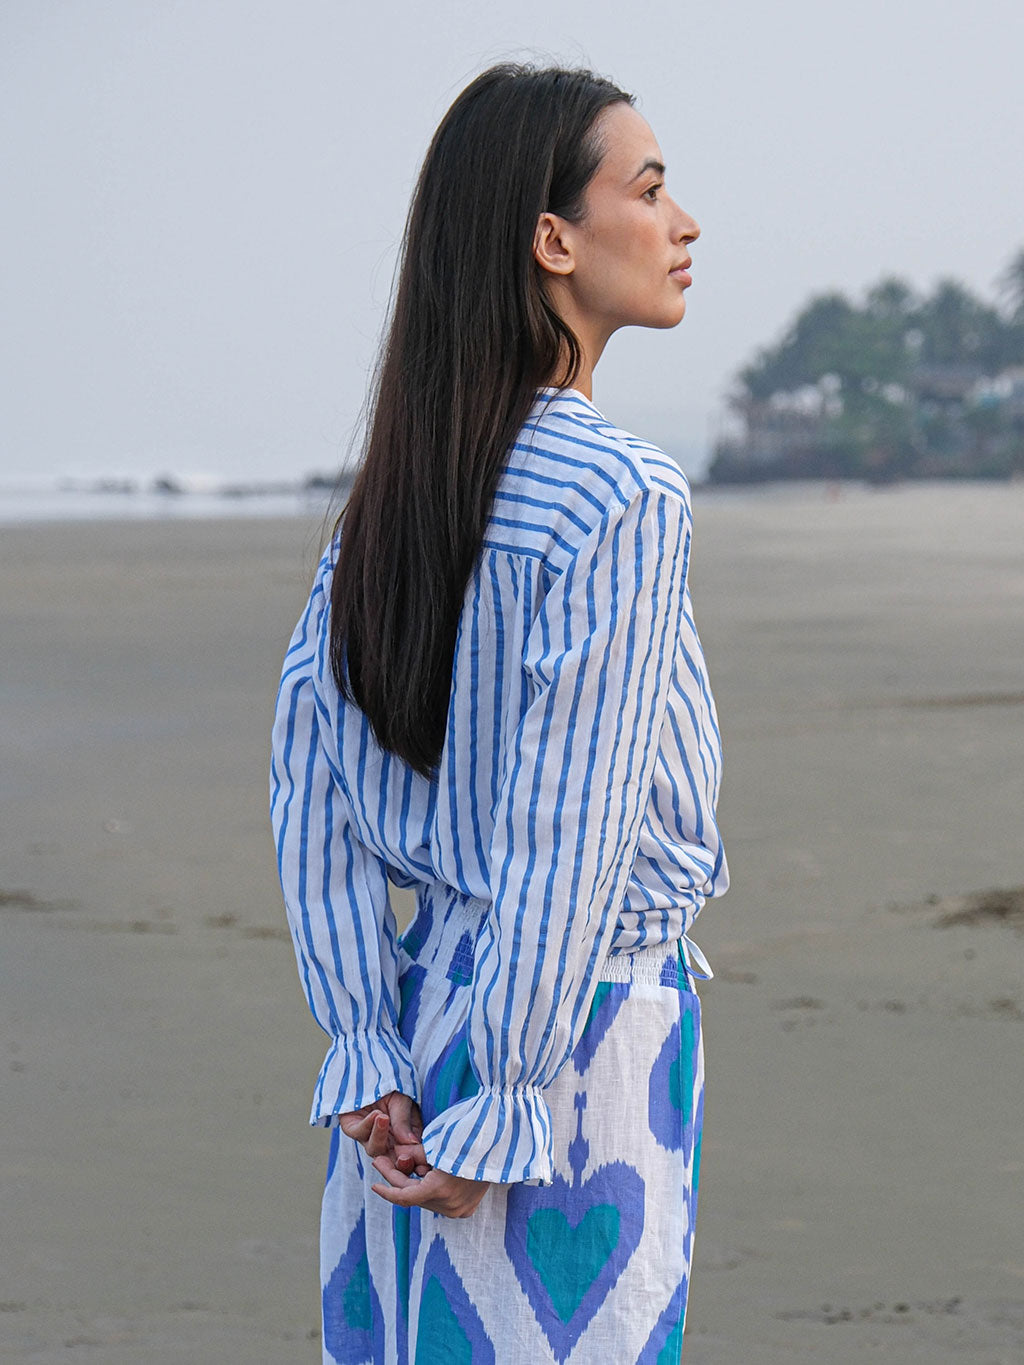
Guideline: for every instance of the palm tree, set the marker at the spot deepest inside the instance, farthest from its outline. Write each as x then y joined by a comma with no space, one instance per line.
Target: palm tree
959,329
891,299
1011,285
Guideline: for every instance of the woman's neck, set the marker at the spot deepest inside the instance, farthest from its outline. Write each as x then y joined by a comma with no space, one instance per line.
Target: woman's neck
583,380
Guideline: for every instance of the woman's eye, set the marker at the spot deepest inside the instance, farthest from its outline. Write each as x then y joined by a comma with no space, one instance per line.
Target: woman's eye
652,192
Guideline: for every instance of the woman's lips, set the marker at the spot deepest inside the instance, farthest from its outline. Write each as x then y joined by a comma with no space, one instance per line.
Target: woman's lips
681,274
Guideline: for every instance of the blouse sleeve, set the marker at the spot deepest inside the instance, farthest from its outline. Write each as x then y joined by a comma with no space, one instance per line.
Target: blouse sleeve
577,778
335,892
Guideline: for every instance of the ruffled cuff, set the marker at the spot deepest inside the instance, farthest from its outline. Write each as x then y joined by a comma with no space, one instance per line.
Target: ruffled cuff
360,1068
498,1135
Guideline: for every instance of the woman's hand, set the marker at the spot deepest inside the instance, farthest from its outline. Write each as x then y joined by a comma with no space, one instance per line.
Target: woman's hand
390,1127
450,1195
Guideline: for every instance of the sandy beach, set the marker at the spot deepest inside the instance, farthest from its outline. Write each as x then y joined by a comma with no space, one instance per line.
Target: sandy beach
862,1190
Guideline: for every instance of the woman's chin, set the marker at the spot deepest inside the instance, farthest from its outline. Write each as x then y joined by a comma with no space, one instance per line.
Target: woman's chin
669,317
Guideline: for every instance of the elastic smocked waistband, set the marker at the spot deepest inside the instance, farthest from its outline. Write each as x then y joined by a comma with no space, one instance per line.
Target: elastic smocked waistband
663,964
440,907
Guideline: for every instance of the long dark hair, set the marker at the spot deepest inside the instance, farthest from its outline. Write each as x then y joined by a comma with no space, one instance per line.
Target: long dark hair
471,338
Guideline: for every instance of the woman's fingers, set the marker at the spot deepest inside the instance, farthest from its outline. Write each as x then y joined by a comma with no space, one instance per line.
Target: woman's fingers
378,1141
391,1124
384,1166
437,1191
413,1149
411,1160
358,1124
404,1114
369,1127
390,1127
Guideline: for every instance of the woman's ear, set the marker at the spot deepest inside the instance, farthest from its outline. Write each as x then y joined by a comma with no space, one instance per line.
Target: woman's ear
552,245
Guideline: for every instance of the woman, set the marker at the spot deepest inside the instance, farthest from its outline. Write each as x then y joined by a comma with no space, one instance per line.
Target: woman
497,697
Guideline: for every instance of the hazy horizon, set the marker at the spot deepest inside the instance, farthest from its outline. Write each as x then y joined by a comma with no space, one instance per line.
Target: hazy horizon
207,199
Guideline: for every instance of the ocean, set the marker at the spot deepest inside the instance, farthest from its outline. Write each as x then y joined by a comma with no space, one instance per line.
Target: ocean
18,506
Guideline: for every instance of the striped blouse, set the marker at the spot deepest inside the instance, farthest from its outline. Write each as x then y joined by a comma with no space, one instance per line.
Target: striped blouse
574,800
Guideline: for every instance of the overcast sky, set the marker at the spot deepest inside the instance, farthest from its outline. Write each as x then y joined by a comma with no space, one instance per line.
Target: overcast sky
202,199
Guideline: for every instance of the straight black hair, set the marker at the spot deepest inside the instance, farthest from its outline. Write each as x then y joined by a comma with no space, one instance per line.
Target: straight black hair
471,338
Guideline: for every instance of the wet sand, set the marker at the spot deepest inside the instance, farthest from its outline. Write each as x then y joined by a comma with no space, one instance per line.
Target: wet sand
863,1173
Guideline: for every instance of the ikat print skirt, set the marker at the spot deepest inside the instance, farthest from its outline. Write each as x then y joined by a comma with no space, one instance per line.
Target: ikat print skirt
592,1269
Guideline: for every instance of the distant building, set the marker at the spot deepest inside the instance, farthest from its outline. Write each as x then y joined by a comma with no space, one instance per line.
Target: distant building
945,420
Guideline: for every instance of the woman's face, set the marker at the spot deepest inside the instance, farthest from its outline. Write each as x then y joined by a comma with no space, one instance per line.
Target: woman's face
625,262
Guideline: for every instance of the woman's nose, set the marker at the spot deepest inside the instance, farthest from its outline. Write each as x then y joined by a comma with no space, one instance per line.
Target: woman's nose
685,228
690,228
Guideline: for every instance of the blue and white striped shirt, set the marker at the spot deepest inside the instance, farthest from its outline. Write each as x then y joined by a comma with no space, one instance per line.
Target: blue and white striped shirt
575,796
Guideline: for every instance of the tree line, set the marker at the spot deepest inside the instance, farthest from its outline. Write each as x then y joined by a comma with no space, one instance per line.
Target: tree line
900,385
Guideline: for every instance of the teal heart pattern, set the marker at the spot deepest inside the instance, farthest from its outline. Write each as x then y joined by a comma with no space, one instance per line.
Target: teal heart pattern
352,1318
569,1243
670,1092
449,1327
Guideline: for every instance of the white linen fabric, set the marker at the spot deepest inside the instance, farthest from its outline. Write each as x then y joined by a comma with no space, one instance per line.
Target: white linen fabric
591,1269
